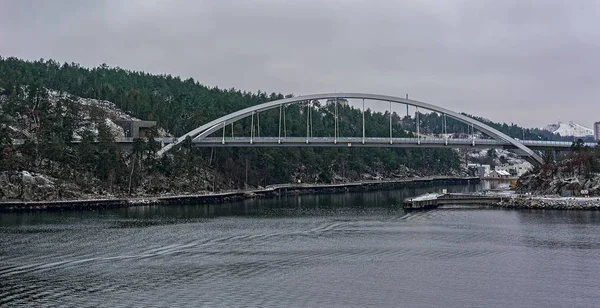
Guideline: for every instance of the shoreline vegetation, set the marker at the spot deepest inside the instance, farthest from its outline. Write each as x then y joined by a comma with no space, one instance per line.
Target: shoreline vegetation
48,106
61,121
228,196
508,200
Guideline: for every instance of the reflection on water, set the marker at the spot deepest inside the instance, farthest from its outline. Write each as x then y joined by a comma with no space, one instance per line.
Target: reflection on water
335,250
497,184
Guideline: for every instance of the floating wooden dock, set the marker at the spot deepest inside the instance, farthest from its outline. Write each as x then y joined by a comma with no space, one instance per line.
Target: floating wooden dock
434,200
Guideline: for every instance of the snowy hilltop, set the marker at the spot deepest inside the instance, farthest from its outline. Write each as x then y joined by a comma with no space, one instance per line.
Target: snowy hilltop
569,129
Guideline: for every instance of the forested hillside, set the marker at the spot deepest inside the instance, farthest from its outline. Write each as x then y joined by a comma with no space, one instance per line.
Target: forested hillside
179,106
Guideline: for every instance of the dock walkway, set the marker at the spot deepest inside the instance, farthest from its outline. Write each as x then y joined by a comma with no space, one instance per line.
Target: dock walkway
434,200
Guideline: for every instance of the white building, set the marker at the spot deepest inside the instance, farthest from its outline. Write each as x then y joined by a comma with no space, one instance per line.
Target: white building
597,131
515,170
499,174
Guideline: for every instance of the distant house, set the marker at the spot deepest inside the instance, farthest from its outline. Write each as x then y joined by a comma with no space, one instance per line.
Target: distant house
499,174
515,170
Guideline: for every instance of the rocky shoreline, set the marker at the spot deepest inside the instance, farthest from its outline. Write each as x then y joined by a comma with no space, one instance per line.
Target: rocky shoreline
550,203
509,200
272,190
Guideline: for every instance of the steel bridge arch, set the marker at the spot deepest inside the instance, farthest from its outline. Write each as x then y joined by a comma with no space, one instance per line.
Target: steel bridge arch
212,126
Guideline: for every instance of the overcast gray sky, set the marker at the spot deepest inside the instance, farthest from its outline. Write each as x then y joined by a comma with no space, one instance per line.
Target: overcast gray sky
530,62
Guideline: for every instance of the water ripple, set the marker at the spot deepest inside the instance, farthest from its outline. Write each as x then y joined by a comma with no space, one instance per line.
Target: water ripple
351,258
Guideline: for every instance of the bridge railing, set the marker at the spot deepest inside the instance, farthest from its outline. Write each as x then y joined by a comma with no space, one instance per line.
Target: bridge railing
354,140
448,141
387,139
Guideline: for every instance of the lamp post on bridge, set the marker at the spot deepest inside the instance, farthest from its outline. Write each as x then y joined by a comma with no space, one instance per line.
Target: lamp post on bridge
363,121
390,122
252,128
280,109
418,124
335,124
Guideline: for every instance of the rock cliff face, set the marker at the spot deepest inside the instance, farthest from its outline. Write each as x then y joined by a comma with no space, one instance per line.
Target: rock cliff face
31,186
19,186
26,186
543,184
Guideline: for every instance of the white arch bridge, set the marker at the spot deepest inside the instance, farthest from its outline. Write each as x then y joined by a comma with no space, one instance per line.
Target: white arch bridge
200,135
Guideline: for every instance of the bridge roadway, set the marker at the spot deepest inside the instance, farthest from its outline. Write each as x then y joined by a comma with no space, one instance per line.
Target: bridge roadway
358,142
379,142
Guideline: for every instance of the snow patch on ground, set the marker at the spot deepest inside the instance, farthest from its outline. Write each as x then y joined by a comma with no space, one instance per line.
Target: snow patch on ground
36,178
511,158
478,153
115,129
425,197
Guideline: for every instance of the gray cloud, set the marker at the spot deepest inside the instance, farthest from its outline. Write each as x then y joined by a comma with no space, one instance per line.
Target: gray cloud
529,62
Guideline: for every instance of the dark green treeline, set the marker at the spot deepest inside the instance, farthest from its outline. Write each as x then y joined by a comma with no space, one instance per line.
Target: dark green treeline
181,105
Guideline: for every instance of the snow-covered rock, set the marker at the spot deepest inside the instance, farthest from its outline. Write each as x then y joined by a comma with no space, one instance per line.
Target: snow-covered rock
24,126
545,184
115,129
29,186
111,110
569,129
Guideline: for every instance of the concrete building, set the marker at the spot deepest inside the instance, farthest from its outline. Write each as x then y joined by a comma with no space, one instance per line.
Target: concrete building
483,171
135,129
597,131
479,170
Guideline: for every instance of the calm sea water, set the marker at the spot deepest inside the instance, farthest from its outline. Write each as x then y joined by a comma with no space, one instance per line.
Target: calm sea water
338,250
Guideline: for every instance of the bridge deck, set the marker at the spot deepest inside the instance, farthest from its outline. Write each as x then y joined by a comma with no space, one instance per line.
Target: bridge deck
358,142
379,142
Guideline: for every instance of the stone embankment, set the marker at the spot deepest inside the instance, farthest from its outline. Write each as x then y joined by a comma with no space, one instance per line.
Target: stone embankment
506,200
551,189
551,203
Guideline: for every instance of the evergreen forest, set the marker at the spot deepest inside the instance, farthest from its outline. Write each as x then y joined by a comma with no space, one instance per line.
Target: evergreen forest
96,162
